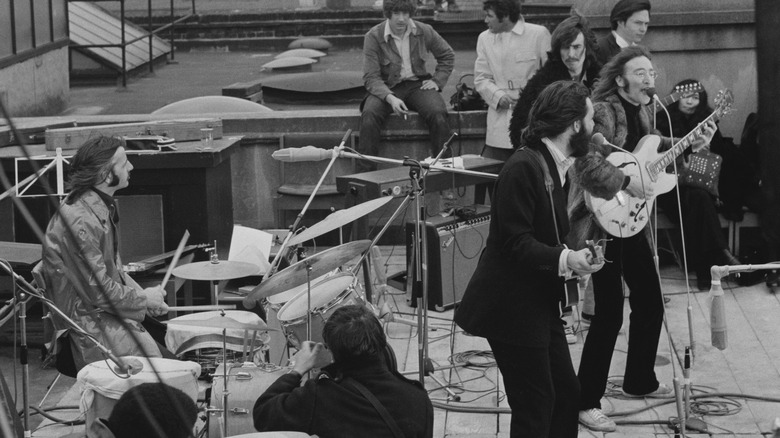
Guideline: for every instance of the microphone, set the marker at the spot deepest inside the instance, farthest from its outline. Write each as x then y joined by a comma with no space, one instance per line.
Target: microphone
651,94
129,365
306,153
599,140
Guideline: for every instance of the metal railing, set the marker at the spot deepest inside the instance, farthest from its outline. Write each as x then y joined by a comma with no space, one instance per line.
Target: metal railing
150,33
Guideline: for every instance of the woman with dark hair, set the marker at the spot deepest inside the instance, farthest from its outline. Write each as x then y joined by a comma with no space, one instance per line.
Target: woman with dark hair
704,241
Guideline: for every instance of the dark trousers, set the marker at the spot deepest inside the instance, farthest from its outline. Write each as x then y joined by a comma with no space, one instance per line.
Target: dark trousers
704,238
632,257
487,188
541,387
428,103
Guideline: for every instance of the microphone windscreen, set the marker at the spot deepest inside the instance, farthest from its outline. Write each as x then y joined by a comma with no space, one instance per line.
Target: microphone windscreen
650,92
598,139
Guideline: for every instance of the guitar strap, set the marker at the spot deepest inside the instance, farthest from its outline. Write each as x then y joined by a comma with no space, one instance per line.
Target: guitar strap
548,184
397,433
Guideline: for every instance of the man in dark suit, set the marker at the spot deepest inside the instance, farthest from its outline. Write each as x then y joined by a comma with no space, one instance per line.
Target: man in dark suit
514,297
629,20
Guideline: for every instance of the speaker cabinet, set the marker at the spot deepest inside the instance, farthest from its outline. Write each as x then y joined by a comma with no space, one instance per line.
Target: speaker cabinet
454,247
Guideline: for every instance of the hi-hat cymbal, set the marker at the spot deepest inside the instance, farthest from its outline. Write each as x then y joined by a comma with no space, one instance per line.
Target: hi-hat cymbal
339,218
223,322
320,263
223,270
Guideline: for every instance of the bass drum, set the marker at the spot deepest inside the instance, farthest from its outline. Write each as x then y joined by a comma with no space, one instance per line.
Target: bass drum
245,385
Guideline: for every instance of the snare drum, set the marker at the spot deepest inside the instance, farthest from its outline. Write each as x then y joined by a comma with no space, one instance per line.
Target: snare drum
274,303
326,297
245,385
101,388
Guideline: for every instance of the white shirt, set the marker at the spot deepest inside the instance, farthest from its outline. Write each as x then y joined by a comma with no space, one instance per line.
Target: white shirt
403,46
620,41
505,62
562,165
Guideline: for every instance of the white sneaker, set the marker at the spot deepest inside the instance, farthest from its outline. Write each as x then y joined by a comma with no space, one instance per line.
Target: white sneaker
571,337
594,419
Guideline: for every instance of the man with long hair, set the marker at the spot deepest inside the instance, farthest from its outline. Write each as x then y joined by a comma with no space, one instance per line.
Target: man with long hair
623,118
334,405
573,57
509,53
514,296
395,76
81,268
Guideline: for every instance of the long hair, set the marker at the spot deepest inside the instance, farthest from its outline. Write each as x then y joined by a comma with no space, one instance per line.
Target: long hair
91,165
566,32
607,83
703,110
504,8
558,106
353,333
390,6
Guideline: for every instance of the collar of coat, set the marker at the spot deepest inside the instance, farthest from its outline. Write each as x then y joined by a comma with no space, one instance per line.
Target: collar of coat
611,114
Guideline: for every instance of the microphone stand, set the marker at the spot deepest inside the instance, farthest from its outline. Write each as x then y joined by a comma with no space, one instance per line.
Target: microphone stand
282,249
420,254
29,289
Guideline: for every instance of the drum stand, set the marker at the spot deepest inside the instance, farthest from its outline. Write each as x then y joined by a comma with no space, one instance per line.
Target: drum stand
420,254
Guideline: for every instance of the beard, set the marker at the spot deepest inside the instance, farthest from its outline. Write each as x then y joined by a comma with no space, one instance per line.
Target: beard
580,142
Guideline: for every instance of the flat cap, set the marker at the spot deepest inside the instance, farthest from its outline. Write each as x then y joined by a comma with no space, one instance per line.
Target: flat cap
626,8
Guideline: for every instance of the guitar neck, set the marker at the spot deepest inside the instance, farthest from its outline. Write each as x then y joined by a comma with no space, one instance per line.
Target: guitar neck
669,156
668,100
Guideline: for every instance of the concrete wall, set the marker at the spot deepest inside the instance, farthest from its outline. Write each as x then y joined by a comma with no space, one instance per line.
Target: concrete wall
38,86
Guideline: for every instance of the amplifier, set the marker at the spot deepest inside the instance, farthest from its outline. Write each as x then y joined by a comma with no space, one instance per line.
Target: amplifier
454,247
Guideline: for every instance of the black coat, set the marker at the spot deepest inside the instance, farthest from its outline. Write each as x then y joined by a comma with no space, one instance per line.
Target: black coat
514,293
331,408
608,48
552,71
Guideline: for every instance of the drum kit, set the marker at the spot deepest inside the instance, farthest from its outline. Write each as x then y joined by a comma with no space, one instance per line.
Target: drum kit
297,300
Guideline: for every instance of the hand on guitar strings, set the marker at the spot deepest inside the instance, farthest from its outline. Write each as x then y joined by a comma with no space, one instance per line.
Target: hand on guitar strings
705,136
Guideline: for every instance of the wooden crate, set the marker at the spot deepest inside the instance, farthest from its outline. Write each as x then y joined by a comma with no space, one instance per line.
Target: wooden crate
179,130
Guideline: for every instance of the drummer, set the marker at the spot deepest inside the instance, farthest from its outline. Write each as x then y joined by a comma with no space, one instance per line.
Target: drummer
329,407
81,269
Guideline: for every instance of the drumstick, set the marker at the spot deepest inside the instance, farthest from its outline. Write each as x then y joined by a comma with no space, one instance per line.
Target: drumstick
176,256
202,308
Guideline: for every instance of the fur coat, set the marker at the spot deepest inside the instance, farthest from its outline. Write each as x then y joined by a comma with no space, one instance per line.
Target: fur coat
594,174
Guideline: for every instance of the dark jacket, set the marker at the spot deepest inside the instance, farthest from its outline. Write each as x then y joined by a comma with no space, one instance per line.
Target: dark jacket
553,70
382,61
608,48
332,408
514,293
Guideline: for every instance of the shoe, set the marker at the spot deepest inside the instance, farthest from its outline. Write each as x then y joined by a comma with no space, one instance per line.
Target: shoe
585,319
571,337
662,391
594,419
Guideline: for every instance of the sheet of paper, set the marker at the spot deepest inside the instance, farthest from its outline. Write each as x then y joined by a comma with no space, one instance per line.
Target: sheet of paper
251,246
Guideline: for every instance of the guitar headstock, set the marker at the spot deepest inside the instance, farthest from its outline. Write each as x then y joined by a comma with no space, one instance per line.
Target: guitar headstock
723,102
683,91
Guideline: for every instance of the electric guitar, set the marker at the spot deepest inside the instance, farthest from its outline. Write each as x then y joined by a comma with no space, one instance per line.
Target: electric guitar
625,215
571,296
680,92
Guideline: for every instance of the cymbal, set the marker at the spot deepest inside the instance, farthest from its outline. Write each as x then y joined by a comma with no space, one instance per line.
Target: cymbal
223,270
223,322
339,218
320,263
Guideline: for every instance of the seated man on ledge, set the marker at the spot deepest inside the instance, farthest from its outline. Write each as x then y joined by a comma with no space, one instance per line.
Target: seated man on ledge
334,405
394,53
